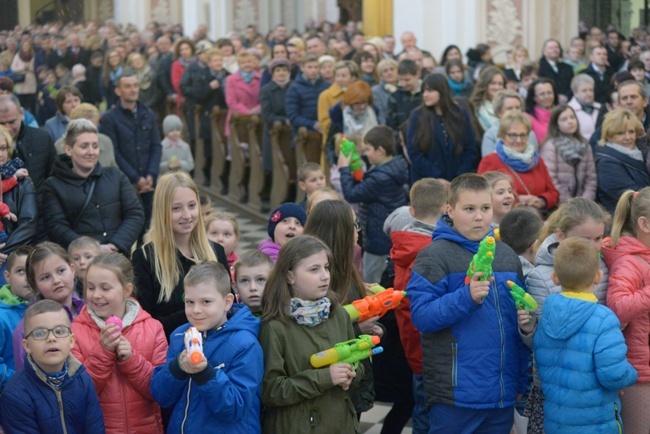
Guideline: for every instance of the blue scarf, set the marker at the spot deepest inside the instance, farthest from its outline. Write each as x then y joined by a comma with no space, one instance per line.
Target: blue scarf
114,75
457,88
9,169
515,163
247,76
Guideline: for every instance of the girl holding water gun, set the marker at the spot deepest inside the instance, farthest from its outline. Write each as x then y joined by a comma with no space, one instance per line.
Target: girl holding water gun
301,316
120,344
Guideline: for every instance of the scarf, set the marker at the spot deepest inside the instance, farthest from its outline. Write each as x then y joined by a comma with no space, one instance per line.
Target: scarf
54,380
9,169
358,123
186,62
145,77
570,149
457,88
247,76
518,161
283,84
587,108
114,75
635,153
310,313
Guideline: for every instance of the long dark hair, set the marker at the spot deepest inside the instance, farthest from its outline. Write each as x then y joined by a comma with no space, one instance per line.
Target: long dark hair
530,97
443,59
452,116
554,129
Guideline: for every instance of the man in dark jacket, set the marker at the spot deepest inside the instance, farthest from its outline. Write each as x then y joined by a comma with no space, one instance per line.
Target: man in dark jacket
597,70
133,131
302,96
550,66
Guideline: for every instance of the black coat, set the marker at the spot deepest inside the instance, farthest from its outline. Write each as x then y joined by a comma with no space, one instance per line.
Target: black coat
113,215
562,78
35,147
273,102
195,85
21,200
601,87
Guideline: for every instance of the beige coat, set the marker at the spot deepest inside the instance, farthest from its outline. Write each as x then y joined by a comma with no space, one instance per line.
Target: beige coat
564,175
19,67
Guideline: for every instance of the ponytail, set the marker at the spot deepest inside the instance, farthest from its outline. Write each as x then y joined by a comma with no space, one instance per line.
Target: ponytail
631,205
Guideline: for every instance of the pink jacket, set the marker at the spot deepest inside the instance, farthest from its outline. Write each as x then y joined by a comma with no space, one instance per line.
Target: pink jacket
540,122
564,175
269,247
123,387
628,295
586,121
242,97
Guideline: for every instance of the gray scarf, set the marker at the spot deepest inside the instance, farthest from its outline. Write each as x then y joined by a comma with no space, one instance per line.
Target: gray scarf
570,149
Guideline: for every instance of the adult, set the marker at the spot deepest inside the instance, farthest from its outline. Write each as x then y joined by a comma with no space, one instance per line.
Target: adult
587,110
132,128
315,45
162,64
389,47
175,242
66,99
184,55
279,51
550,66
387,71
504,102
440,139
356,42
542,97
83,198
113,70
598,70
517,158
23,66
490,82
450,52
76,53
345,73
613,46
619,162
148,89
518,58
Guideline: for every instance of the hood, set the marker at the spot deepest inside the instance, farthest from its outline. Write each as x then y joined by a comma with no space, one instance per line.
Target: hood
564,315
8,299
627,245
134,314
398,220
303,81
406,246
62,169
444,231
546,251
240,318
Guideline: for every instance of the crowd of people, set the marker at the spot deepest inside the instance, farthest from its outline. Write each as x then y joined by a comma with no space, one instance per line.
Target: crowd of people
110,252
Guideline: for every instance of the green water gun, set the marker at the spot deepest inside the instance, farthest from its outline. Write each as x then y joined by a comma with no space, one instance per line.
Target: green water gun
352,352
356,165
482,260
523,300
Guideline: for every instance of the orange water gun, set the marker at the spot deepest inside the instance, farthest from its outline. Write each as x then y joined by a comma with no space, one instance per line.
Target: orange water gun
374,305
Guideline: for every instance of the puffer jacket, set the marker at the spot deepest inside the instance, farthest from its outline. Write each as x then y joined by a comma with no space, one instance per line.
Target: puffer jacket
302,102
22,201
225,397
569,180
269,247
580,353
473,355
629,297
11,312
380,193
113,215
36,148
539,283
123,386
586,121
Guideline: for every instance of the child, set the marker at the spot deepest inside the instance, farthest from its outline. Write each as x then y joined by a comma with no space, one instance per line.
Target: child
12,171
82,251
120,360
251,271
222,228
176,153
221,392
503,197
310,179
53,393
520,230
579,348
50,273
14,299
319,195
206,204
568,156
474,361
285,222
380,192
300,317
407,97
458,81
628,256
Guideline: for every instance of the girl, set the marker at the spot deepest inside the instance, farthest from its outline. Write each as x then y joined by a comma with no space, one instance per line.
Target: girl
285,223
577,217
628,257
367,67
301,316
111,72
120,360
503,197
458,81
317,196
491,81
568,156
50,273
222,228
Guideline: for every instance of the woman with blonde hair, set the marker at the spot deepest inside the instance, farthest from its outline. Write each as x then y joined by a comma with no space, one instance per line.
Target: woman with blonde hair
489,83
174,243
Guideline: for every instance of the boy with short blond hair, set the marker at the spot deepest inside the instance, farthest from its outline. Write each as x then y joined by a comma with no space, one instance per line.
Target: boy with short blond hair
82,251
53,393
310,179
250,273
474,361
223,390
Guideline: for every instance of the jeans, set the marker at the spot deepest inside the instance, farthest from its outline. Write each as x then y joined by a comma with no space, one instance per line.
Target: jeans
373,267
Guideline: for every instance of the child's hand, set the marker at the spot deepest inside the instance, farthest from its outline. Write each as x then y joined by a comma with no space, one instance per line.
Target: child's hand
189,367
342,373
479,289
368,325
343,160
21,173
124,351
351,375
109,337
526,321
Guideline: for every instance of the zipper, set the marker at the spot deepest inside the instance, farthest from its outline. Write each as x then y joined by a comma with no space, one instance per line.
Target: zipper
187,406
618,419
126,409
503,349
61,412
454,364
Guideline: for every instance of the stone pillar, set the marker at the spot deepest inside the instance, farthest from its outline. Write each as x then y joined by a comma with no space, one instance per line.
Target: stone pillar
191,16
132,12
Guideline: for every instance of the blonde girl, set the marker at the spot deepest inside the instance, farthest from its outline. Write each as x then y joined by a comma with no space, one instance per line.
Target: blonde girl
503,197
222,228
120,360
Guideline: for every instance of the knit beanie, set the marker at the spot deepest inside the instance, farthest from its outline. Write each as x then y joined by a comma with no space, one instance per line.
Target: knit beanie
171,123
282,212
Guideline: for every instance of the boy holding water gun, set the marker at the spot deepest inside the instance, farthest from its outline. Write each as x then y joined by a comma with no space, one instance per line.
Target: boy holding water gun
220,393
474,361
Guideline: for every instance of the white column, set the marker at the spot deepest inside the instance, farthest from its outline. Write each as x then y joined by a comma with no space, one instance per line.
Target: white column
191,16
332,11
411,18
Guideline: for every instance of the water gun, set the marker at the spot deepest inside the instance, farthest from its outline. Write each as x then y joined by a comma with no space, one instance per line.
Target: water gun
194,345
374,305
356,165
113,320
482,260
352,352
523,300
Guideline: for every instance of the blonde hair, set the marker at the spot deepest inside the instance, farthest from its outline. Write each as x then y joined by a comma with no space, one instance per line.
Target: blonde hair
85,111
118,264
576,263
243,54
225,216
9,141
384,64
513,118
212,52
629,208
572,213
493,177
616,121
314,194
166,266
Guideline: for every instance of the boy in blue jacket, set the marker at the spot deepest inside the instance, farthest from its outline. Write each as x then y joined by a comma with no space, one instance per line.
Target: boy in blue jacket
222,392
474,361
579,348
53,393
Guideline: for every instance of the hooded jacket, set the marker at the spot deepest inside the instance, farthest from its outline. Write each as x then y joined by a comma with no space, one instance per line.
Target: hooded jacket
225,396
628,296
473,354
580,353
11,312
123,386
270,247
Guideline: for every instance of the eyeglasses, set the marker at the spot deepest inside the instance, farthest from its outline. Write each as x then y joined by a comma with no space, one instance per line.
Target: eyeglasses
41,334
357,225
515,136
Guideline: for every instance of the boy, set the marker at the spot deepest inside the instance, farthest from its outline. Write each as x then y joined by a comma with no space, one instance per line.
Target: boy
380,192
407,96
474,361
579,348
82,251
250,273
14,300
206,204
223,391
310,179
519,229
302,96
53,394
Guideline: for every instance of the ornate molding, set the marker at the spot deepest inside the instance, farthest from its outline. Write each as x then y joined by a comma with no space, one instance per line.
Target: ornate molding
160,11
504,23
245,14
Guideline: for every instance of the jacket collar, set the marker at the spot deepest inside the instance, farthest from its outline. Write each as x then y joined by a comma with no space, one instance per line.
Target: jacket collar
584,296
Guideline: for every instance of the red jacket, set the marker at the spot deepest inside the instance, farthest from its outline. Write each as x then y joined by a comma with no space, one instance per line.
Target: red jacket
537,181
123,387
406,246
628,295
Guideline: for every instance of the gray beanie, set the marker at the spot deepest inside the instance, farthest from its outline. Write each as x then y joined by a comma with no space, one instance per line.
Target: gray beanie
171,123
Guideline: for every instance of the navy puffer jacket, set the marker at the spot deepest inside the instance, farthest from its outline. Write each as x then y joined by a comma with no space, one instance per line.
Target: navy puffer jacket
302,102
